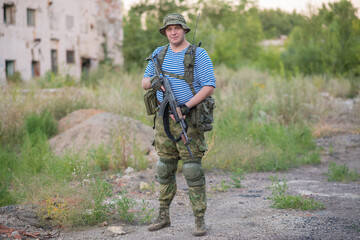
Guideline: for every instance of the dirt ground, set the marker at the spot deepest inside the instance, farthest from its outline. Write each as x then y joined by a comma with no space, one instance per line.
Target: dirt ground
245,213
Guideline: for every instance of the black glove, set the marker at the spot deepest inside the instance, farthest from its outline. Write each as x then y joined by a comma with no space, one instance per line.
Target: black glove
184,109
155,83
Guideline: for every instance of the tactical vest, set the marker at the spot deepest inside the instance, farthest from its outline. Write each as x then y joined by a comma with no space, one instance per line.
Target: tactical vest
189,63
202,114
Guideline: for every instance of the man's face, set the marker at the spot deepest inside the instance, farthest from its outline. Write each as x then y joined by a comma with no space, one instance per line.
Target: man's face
175,34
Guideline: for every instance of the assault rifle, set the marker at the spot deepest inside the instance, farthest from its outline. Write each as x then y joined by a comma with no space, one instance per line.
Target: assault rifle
170,105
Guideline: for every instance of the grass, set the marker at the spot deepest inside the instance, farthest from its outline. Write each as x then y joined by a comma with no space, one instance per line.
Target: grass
281,199
341,173
262,123
236,176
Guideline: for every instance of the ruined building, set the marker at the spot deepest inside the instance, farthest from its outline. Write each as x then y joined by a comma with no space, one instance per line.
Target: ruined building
63,36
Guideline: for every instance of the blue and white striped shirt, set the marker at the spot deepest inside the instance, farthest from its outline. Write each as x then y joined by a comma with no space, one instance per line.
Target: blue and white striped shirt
174,63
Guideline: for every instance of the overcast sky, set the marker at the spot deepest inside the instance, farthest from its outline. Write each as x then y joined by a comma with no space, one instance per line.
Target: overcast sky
301,6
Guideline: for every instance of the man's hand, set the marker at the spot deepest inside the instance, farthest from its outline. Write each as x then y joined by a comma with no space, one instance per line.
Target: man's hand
184,109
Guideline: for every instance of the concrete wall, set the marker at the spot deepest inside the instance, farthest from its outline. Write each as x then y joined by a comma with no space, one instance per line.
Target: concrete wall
62,25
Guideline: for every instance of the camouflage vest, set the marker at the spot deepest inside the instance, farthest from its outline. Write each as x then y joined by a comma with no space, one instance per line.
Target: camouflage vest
189,62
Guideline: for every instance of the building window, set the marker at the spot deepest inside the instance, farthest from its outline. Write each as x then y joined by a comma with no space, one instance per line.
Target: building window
9,68
70,57
54,62
35,69
31,17
69,22
9,13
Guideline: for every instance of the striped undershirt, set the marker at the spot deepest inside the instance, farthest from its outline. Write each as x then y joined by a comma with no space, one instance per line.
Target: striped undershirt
174,63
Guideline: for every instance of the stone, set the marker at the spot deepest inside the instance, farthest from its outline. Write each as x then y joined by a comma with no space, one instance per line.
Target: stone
117,230
144,186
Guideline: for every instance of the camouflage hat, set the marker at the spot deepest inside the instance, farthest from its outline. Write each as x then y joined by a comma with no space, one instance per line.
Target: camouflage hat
174,19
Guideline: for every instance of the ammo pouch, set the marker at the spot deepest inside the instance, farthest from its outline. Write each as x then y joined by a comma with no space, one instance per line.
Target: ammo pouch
202,115
150,101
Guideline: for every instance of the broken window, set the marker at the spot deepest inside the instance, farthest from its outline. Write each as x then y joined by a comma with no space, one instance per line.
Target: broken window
70,56
9,13
9,68
30,17
35,68
54,62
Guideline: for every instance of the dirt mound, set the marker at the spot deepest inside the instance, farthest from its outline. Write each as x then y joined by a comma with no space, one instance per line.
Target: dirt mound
76,117
88,128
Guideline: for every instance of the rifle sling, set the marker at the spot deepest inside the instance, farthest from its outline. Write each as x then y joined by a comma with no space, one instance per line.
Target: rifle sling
166,124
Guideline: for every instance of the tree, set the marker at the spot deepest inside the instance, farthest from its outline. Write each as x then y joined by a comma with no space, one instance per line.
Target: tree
277,22
140,40
328,42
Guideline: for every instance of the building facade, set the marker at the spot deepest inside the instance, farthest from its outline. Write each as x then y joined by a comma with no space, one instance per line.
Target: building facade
62,36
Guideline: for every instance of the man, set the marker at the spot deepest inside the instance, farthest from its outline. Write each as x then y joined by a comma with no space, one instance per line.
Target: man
188,95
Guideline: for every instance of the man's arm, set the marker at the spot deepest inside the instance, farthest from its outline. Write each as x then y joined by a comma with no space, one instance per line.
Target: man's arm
146,84
205,92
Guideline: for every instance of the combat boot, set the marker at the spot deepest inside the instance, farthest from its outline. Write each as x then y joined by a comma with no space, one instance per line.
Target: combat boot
162,221
200,228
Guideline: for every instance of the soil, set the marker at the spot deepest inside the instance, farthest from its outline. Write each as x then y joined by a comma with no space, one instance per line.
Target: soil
243,213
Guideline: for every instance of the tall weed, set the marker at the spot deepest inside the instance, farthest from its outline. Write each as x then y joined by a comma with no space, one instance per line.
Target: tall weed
262,122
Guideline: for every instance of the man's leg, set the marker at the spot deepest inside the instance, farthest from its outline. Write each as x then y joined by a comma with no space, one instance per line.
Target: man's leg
166,176
195,178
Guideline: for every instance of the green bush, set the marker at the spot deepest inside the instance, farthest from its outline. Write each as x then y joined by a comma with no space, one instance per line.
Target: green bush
101,157
44,123
53,80
97,213
8,163
341,173
35,153
281,199
124,206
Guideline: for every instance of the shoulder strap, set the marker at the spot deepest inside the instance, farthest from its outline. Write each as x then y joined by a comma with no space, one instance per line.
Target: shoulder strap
189,63
161,56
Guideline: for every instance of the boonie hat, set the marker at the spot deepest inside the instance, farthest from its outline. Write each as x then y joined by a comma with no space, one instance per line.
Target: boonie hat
174,19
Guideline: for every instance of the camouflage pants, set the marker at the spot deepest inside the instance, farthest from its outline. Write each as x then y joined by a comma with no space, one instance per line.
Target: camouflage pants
170,150
173,152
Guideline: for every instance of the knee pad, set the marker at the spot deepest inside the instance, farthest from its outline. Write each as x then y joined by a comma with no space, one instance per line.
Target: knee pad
194,174
165,172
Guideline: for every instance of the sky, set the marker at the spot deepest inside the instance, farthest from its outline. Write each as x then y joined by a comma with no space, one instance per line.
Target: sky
301,6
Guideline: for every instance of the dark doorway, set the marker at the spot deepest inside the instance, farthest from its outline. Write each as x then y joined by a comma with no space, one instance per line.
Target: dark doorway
9,68
85,65
35,69
54,62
